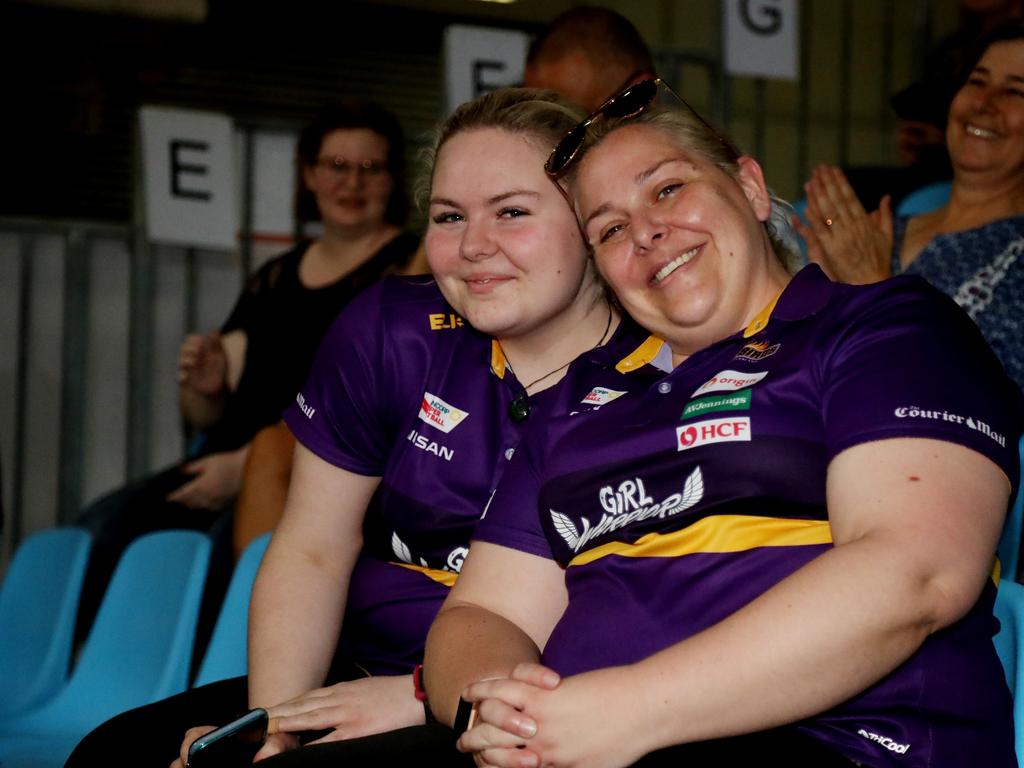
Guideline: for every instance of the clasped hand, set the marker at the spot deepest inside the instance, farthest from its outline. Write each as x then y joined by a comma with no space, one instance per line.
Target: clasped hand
534,719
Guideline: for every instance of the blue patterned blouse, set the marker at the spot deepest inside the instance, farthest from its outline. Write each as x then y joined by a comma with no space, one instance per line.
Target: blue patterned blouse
983,270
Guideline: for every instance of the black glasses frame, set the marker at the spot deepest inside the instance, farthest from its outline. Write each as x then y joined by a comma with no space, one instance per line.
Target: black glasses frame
629,102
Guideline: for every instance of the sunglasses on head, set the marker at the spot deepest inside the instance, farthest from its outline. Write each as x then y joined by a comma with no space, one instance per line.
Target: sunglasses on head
629,102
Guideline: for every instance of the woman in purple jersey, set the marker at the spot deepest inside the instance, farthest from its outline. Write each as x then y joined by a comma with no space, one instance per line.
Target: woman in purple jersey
415,403
509,259
809,593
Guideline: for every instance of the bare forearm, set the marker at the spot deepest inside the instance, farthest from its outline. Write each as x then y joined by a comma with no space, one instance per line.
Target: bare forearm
467,643
811,642
294,623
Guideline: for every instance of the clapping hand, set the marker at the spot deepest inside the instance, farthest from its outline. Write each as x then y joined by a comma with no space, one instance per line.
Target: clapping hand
851,245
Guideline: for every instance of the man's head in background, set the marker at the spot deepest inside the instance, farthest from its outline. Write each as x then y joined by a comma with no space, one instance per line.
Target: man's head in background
587,54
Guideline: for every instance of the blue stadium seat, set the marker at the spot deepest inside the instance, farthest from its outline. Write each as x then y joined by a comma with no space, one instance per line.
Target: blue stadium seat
38,605
138,651
1009,610
226,655
1013,528
927,198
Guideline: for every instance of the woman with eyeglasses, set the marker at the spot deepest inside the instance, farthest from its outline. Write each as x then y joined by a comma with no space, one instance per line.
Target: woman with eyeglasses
764,536
413,408
236,381
970,247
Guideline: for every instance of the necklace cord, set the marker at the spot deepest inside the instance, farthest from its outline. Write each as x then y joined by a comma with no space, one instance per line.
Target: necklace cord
519,408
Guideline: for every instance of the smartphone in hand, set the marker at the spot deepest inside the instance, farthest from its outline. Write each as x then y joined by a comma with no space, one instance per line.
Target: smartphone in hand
234,744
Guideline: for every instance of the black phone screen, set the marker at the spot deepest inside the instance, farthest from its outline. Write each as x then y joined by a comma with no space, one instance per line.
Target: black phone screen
234,744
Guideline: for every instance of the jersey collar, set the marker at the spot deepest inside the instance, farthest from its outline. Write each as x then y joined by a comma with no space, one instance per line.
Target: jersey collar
805,295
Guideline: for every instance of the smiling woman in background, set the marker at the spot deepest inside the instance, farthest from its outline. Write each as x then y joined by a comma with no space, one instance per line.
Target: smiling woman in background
238,380
973,247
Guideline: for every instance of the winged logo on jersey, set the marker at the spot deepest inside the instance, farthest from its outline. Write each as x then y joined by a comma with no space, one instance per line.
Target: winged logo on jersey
402,552
692,493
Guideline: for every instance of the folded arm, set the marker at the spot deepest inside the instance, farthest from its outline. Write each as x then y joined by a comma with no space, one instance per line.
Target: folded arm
499,614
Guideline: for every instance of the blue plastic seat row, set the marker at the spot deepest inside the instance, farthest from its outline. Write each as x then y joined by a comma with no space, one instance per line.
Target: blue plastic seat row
138,651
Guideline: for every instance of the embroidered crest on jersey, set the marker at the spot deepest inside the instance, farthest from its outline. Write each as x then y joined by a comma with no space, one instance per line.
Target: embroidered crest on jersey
628,503
728,430
729,381
601,396
757,350
439,414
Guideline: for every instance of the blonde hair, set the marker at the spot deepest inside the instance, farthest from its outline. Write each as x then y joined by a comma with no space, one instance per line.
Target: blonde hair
694,134
541,115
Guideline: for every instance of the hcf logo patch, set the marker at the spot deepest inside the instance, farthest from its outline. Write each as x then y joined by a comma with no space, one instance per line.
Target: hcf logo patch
439,414
699,433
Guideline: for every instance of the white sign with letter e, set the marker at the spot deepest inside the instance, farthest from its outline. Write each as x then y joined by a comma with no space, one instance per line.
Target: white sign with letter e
762,38
189,177
481,59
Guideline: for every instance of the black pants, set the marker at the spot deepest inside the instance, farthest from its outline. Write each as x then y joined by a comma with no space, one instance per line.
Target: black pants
433,746
151,735
140,507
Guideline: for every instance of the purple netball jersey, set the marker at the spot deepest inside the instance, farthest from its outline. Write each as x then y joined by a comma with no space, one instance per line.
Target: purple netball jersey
403,389
674,497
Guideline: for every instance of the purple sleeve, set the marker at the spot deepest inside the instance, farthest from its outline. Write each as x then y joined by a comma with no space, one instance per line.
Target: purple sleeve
910,363
512,518
342,412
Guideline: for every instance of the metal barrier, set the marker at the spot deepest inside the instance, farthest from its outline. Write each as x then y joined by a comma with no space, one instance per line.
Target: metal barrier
91,315
89,334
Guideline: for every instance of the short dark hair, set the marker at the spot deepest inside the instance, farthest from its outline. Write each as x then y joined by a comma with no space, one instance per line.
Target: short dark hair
1004,33
602,35
353,114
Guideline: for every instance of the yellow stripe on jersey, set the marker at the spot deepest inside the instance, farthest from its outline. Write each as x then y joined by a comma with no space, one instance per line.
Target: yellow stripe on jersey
441,577
640,356
498,362
761,318
718,533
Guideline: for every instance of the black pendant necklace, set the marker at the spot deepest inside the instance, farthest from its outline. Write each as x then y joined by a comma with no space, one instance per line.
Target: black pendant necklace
519,408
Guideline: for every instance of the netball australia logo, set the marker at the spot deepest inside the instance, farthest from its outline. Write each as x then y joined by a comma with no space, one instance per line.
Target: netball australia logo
628,503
